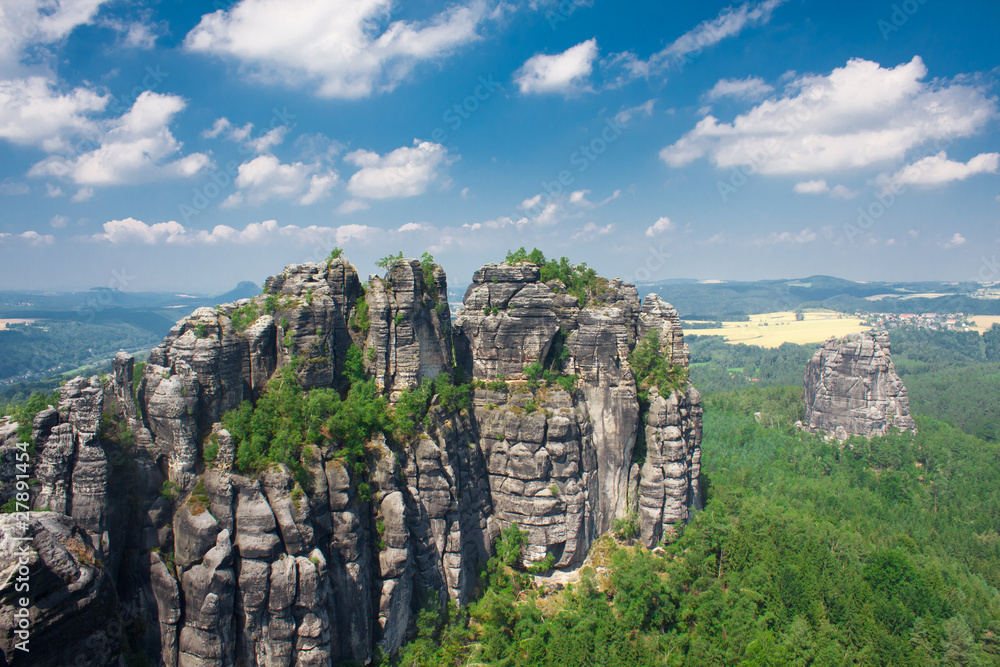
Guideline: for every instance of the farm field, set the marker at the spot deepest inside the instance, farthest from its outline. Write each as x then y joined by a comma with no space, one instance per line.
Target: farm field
5,322
983,322
773,329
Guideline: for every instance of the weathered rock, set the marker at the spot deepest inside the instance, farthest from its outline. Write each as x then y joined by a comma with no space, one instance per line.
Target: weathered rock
327,562
409,323
852,389
73,615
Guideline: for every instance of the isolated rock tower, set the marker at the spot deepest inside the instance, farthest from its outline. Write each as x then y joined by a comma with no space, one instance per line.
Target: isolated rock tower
852,389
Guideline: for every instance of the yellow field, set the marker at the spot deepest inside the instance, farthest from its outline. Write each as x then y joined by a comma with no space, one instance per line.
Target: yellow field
983,322
782,327
4,323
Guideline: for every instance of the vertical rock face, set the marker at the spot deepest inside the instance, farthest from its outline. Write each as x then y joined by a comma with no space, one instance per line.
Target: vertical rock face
327,559
560,457
851,389
410,322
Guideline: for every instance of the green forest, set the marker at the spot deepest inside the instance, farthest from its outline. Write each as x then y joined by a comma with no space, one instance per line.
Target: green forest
881,552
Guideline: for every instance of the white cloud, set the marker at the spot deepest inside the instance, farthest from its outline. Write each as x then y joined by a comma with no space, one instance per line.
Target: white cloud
82,195
405,172
566,72
625,115
136,34
33,112
53,190
345,48
353,205
218,127
859,115
661,226
579,198
265,177
36,239
58,221
820,187
27,22
414,227
954,241
533,202
816,187
268,140
805,236
591,230
138,147
131,230
729,23
936,170
750,88
243,135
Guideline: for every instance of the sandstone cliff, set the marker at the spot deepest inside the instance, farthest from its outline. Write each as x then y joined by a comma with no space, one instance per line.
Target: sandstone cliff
192,560
851,389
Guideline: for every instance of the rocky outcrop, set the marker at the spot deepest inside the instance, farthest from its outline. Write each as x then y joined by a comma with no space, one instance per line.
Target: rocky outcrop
327,558
409,326
852,389
560,454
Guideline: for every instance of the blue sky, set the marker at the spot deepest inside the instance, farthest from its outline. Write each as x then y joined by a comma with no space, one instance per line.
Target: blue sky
154,146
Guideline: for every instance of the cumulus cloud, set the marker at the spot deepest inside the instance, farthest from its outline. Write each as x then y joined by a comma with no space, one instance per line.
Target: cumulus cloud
27,22
566,72
34,112
750,88
135,231
859,115
661,226
137,147
954,241
346,48
405,172
58,221
937,170
265,177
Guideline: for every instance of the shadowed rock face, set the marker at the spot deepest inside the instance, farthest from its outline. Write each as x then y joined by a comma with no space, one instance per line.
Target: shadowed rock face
851,389
202,565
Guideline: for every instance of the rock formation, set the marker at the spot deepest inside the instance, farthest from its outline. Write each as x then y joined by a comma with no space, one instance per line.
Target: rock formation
851,389
193,561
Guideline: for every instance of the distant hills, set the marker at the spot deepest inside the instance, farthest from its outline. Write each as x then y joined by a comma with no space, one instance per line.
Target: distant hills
721,300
